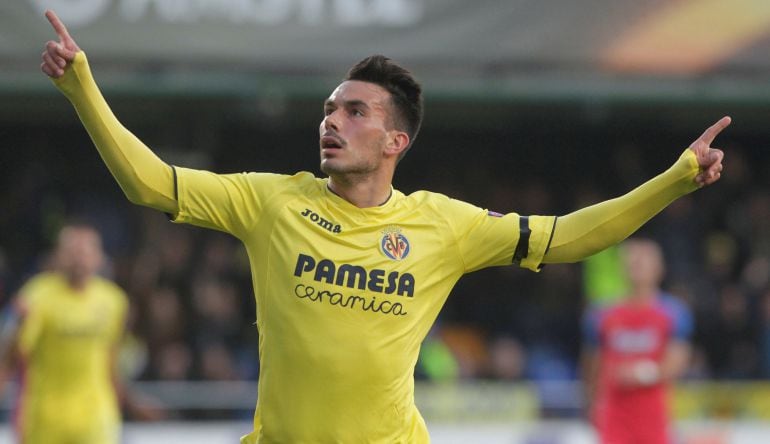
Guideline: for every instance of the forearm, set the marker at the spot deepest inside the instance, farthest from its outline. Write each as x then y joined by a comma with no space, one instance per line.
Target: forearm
589,369
648,372
143,177
676,360
585,232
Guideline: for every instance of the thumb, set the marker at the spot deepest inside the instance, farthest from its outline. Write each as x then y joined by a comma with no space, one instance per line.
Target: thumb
66,53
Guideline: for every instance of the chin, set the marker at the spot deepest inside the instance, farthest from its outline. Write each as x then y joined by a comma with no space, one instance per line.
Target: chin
329,168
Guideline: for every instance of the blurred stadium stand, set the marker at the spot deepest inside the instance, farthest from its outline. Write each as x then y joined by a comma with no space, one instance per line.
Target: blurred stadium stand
533,107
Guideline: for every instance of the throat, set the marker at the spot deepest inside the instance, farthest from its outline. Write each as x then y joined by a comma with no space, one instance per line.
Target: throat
362,197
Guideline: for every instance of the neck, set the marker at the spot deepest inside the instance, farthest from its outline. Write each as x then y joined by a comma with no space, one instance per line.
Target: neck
365,193
645,294
77,282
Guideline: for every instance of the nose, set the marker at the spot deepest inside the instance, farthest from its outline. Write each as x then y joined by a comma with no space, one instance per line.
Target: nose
330,121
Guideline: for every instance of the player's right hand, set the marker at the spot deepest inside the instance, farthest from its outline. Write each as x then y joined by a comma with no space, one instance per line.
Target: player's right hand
709,159
58,55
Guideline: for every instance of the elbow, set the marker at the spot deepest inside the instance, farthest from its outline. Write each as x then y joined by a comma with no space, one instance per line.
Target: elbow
577,250
134,194
136,199
152,200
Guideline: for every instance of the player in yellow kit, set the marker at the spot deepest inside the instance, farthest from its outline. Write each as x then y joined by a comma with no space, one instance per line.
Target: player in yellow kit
69,322
349,273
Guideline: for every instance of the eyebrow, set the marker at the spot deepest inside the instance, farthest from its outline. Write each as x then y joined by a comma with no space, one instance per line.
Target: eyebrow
347,103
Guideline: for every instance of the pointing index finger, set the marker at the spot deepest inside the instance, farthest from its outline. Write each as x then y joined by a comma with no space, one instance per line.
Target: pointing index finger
58,26
711,132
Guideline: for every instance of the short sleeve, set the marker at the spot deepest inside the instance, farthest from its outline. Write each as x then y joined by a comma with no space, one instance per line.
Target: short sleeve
590,326
226,202
31,322
682,323
490,239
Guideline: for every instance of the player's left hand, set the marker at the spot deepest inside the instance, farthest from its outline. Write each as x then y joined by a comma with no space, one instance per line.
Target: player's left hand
709,159
57,56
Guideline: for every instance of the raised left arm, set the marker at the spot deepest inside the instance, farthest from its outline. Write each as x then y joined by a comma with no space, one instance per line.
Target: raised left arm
585,232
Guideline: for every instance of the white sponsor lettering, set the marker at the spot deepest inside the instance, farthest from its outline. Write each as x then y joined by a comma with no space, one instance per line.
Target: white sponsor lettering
632,341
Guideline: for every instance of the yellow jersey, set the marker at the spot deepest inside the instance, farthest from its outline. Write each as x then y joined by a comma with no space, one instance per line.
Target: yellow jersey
66,338
345,295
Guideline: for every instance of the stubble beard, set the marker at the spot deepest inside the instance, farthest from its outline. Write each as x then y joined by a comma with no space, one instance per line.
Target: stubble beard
359,167
346,171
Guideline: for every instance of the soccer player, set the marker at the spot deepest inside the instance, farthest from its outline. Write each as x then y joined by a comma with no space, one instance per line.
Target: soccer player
69,322
634,349
349,273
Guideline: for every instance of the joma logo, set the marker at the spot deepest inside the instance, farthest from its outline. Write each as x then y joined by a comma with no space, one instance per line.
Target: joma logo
321,222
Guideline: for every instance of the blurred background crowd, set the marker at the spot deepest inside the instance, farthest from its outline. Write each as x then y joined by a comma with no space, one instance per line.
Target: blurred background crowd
193,310
529,109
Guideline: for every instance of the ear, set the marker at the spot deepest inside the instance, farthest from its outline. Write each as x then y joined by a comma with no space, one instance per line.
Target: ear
398,141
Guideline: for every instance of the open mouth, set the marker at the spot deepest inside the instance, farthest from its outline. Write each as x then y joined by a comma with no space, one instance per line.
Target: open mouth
330,142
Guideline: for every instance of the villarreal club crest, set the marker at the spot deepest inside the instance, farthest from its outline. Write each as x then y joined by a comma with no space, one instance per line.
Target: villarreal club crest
394,244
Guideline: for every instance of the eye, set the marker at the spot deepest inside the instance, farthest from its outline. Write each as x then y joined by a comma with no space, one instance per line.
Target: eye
357,112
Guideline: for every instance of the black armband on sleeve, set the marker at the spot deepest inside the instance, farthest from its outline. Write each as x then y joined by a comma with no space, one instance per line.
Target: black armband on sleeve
176,191
522,247
176,186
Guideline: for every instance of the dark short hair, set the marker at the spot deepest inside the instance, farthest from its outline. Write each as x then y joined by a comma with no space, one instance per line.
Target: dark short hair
405,92
80,222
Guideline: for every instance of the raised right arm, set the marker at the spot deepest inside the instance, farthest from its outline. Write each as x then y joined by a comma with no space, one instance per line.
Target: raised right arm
143,177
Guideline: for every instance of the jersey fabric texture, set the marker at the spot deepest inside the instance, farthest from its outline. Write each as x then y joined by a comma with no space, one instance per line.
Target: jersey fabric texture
346,295
423,243
66,338
625,333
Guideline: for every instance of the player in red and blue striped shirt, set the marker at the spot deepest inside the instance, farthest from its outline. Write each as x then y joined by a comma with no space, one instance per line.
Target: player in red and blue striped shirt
636,347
